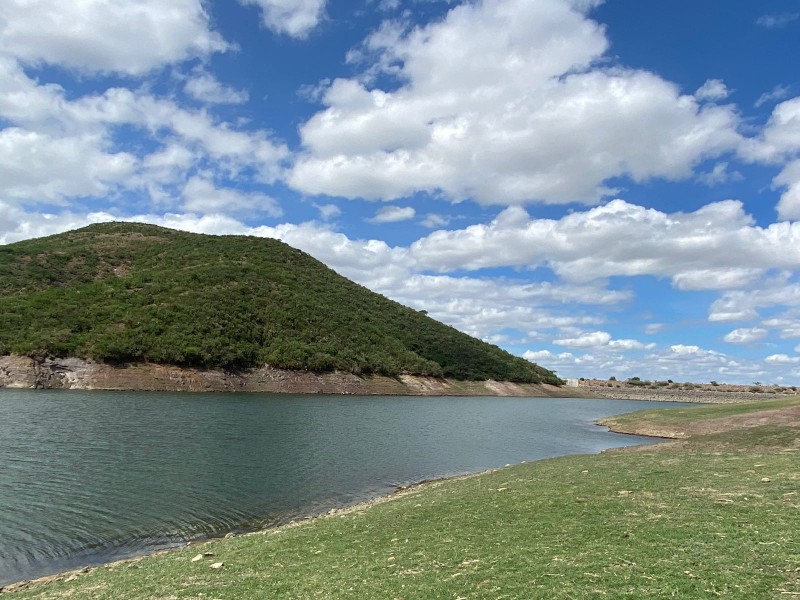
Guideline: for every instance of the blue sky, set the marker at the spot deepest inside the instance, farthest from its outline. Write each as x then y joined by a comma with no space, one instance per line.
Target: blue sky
606,188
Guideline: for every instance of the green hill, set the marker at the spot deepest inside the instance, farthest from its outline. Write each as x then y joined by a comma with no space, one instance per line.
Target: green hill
122,292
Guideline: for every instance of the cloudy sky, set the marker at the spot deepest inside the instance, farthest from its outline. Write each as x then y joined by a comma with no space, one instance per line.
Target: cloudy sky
606,188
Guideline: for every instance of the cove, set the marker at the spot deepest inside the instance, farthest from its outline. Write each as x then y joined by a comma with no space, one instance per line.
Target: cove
90,477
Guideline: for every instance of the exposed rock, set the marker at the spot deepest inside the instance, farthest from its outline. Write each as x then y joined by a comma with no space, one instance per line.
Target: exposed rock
74,373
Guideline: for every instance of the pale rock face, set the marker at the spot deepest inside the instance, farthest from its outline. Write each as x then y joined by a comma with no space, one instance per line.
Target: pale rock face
75,373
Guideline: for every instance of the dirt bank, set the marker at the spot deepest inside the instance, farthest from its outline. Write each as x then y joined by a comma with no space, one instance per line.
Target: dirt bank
79,374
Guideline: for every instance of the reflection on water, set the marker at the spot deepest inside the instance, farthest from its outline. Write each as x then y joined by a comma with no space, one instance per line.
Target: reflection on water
87,477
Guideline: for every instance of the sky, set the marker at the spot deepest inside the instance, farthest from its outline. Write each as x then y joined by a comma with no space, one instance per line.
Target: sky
605,188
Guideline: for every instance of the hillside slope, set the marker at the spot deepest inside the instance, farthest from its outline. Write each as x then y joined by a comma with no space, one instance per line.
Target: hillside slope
123,292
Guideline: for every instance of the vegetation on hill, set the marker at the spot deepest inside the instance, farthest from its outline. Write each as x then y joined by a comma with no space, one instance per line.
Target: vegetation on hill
123,292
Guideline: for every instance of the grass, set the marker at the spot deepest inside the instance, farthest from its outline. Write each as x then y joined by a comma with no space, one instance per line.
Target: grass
715,515
684,422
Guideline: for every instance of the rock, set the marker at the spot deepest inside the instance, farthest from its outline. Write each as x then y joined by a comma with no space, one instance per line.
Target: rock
197,558
217,565
765,480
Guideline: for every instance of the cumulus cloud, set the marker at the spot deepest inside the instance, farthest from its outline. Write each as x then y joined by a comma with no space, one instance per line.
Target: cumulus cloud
719,174
742,305
393,214
782,359
745,335
55,147
698,250
106,35
679,362
295,18
502,102
433,220
586,340
789,180
712,89
37,166
328,211
203,196
787,324
627,344
203,86
780,138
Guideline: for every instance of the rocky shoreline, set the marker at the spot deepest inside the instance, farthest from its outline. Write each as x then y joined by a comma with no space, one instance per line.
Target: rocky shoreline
23,372
699,394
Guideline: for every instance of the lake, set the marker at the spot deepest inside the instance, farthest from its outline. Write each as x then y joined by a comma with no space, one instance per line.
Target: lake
89,477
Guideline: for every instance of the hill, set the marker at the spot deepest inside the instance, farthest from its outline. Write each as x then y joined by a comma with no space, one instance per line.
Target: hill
130,293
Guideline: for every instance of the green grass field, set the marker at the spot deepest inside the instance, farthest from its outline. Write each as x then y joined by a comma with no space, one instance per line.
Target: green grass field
713,516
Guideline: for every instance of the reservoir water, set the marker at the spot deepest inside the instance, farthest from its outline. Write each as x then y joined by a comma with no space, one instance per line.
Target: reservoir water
88,477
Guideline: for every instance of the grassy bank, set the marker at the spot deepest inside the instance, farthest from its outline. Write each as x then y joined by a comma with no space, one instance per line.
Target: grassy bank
714,515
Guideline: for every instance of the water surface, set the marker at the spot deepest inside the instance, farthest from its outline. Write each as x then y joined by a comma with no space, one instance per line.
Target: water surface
87,477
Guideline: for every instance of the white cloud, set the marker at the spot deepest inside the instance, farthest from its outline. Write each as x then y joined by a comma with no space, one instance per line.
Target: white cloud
745,335
328,211
55,148
774,21
712,89
684,350
393,214
586,340
500,102
789,205
653,328
35,166
740,305
432,221
782,359
779,92
780,138
106,35
202,196
698,250
18,224
680,362
719,174
292,17
786,324
203,86
627,344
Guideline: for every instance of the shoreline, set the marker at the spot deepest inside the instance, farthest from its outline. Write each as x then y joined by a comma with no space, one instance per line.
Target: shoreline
398,492
70,575
22,372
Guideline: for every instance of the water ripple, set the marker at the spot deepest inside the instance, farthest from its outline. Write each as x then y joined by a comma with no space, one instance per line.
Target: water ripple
87,477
